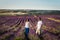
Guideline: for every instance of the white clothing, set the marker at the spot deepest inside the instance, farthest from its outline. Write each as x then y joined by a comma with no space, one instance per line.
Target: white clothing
39,24
27,25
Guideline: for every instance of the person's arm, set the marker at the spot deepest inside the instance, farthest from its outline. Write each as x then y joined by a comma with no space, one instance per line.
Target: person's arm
42,23
36,24
30,25
23,27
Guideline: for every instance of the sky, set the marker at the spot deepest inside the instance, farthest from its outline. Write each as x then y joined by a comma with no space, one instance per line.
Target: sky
30,4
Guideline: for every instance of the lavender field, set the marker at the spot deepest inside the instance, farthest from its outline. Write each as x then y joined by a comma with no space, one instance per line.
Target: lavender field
11,27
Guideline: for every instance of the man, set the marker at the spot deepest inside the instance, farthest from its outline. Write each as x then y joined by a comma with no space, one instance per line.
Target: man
38,26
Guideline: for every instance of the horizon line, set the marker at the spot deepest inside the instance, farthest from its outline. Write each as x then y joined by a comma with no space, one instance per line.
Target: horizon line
26,9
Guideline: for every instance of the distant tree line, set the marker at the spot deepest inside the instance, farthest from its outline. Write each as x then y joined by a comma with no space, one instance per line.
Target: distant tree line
33,12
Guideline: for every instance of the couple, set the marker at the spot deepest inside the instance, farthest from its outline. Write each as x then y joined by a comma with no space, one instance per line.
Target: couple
38,27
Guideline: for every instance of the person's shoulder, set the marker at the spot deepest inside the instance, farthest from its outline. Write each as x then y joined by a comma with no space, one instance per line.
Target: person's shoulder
27,22
40,21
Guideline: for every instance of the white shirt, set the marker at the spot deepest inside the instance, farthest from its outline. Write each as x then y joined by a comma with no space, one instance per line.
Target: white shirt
27,25
39,24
